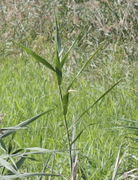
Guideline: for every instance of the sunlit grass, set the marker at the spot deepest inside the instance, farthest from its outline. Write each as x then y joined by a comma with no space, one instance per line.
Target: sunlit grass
27,89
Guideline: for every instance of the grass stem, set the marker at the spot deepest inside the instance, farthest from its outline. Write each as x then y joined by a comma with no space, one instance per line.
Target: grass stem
66,127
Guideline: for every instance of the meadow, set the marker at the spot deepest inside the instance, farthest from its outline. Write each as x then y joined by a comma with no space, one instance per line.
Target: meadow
88,95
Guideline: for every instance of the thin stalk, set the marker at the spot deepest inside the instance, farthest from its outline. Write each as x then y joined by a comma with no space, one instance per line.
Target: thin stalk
69,143
67,129
74,154
60,92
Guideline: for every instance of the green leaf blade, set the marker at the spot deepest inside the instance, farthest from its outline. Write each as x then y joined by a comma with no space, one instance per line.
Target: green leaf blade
38,58
58,41
25,175
64,59
77,137
87,62
65,101
101,97
22,125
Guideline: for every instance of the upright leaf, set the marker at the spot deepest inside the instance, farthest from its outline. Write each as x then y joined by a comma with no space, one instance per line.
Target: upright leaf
58,68
87,62
59,51
117,163
58,41
64,59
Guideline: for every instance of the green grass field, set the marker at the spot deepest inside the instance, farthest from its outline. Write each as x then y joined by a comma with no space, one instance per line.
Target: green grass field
27,88
104,139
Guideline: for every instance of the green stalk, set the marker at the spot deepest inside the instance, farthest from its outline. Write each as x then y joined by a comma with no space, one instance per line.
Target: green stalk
66,126
69,143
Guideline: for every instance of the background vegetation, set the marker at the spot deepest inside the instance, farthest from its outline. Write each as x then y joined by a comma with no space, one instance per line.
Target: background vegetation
107,148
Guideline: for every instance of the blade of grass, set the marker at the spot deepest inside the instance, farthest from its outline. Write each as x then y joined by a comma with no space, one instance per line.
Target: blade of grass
87,62
7,131
22,124
34,150
59,51
80,133
20,162
38,58
129,120
130,127
25,123
101,97
76,137
127,127
58,40
58,72
7,165
2,145
9,177
116,164
64,59
37,150
78,39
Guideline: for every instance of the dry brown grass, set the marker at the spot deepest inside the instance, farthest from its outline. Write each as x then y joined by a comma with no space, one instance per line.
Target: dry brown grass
26,21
